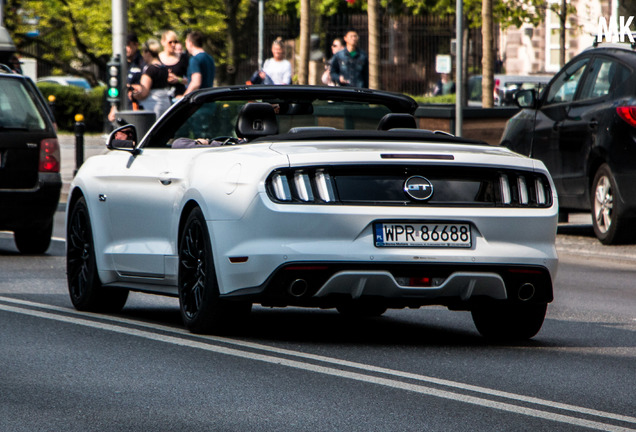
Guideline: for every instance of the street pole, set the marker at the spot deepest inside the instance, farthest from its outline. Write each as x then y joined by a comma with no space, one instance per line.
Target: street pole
120,33
261,30
459,55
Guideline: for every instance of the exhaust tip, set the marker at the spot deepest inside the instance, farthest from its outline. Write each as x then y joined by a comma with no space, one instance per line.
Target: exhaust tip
298,288
526,292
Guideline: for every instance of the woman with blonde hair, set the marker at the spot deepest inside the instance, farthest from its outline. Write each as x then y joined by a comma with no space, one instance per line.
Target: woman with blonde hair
176,62
277,67
153,90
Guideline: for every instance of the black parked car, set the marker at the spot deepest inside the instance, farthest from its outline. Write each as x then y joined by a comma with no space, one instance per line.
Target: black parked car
583,127
30,180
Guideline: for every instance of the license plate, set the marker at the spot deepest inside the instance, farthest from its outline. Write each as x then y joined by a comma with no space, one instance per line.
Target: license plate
389,234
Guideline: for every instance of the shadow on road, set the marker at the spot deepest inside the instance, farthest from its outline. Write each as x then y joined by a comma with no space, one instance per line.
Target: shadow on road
577,230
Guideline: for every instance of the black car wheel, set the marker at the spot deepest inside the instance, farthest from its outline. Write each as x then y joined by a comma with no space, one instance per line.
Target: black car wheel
503,321
34,239
84,286
610,227
202,310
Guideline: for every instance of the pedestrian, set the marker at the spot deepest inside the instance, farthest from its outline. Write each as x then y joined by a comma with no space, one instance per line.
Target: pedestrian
277,68
444,86
336,46
201,68
176,63
135,68
350,67
153,90
15,64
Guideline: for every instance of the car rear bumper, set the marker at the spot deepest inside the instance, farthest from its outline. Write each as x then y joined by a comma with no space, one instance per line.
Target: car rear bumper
332,249
26,207
401,285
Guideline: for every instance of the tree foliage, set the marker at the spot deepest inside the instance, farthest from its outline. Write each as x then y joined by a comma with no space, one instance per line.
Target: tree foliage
79,33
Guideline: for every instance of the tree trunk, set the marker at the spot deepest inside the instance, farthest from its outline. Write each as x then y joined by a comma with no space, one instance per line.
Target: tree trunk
488,58
373,16
231,10
562,18
303,57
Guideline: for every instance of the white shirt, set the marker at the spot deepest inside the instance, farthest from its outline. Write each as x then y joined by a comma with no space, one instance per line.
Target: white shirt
279,71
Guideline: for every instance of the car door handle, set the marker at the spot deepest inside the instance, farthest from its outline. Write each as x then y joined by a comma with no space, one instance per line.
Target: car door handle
593,124
165,178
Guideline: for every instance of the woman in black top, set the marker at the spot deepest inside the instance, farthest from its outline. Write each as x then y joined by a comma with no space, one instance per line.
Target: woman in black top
153,91
177,64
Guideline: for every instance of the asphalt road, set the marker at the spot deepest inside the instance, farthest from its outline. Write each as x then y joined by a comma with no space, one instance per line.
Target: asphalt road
310,370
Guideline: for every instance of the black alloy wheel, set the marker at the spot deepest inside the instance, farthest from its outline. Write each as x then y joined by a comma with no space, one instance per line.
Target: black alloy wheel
202,310
84,286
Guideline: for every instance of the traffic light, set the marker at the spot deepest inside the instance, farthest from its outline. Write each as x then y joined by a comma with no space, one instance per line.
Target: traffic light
114,87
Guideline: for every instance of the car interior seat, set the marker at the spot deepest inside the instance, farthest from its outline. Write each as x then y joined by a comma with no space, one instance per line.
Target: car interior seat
397,121
256,119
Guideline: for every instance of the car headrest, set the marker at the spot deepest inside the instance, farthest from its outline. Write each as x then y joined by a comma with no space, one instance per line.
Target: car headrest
397,121
256,119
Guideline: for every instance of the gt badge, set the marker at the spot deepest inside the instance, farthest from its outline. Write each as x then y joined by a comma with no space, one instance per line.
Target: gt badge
419,188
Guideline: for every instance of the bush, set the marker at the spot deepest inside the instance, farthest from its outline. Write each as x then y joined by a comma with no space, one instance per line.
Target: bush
443,99
72,100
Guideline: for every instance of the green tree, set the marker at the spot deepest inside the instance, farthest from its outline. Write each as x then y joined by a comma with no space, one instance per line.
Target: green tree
79,33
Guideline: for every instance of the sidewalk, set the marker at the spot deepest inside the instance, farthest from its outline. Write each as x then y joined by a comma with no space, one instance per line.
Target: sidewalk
93,145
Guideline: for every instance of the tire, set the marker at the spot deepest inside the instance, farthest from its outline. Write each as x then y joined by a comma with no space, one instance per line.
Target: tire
202,309
34,240
610,225
504,321
358,309
84,286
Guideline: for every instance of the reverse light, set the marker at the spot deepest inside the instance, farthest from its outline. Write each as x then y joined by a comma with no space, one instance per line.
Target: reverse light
540,188
506,198
517,189
303,186
523,190
627,113
49,156
325,188
281,187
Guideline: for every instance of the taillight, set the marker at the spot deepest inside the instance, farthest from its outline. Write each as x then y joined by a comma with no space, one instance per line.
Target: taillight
627,113
49,155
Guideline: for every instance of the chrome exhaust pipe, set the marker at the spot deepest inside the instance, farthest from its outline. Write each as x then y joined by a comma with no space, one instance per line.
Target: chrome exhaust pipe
298,288
526,292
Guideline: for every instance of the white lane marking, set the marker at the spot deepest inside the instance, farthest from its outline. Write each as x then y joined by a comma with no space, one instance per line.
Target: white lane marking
417,388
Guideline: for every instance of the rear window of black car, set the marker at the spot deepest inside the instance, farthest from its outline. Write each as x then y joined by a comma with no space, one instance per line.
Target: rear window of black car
18,110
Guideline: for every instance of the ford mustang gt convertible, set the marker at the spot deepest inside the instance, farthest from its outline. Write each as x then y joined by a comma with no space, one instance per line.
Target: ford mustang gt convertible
311,197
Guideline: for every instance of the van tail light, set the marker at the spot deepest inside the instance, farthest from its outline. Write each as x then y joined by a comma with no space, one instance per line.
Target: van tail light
49,155
627,113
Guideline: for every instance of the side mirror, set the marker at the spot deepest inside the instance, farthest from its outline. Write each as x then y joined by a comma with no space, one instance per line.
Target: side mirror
123,138
526,98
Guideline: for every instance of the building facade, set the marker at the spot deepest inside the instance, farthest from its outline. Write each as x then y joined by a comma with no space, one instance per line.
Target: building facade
533,50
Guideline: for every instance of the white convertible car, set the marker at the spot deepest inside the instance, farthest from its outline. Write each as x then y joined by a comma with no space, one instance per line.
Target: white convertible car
317,197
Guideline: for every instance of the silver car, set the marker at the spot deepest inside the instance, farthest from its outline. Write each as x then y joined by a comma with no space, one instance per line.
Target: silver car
314,197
